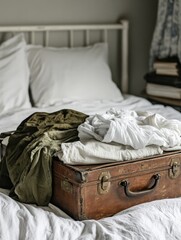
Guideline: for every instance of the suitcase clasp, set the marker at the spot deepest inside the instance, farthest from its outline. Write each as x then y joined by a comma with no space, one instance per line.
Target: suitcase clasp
174,171
104,183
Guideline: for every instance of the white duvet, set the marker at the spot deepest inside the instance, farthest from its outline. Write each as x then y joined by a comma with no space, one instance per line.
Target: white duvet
10,120
157,220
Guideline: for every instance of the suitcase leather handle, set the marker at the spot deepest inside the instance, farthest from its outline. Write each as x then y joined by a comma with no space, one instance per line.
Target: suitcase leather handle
130,193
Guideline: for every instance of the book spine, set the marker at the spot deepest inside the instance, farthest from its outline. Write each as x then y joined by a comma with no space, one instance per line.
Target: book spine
173,72
163,94
163,80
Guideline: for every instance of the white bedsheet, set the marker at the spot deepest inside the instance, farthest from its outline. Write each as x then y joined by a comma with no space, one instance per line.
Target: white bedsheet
157,220
11,120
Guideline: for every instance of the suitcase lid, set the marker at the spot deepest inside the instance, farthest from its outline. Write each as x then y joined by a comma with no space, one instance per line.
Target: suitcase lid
91,173
91,167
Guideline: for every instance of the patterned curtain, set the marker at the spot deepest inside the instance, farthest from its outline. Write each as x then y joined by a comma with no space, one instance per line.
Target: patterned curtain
167,34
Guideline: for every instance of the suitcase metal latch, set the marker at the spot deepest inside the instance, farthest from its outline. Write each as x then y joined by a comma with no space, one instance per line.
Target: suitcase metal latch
174,171
104,183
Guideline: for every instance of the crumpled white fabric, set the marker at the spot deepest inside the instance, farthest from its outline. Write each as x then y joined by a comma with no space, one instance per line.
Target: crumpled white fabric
95,152
135,129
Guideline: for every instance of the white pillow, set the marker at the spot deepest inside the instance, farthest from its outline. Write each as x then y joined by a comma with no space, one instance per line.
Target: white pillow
62,74
14,75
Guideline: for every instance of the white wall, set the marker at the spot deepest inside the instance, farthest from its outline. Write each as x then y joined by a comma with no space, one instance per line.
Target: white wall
141,13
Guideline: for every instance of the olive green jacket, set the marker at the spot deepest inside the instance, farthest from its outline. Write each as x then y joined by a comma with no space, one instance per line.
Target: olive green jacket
26,167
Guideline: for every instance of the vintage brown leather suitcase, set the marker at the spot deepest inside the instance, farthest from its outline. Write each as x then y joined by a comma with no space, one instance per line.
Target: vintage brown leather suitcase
97,191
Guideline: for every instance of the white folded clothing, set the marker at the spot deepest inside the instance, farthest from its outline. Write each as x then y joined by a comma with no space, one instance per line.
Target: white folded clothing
95,152
135,129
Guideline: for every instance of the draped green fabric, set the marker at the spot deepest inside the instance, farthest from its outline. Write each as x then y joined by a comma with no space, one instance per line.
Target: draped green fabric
29,153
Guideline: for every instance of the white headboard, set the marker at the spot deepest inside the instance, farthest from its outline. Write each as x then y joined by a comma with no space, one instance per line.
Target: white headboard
122,26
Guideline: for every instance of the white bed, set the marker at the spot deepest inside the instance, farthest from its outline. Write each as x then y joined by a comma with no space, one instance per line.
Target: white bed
155,220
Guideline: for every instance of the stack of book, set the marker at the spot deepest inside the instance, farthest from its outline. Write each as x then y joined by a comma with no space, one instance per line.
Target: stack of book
165,80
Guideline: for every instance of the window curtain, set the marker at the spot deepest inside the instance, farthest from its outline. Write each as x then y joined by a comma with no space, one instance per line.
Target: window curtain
167,34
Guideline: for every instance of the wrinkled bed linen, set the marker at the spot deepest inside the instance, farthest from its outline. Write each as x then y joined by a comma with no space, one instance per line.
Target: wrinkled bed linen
95,152
131,128
157,220
9,121
26,167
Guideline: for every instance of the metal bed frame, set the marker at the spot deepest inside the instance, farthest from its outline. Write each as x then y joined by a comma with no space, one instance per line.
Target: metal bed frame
122,26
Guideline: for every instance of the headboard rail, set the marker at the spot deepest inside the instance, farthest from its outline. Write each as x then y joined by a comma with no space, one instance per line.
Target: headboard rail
123,26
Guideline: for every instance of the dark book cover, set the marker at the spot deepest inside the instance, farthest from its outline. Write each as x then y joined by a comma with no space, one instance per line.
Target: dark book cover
170,59
173,81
